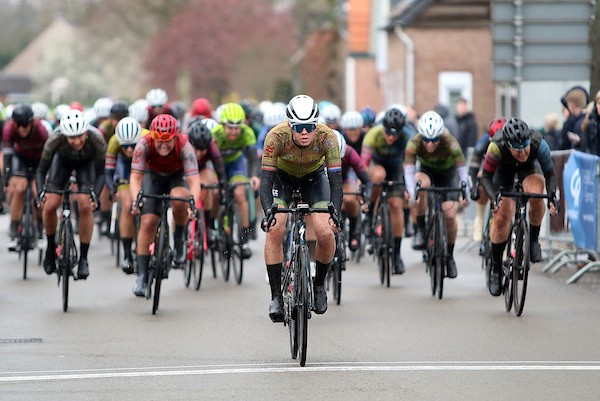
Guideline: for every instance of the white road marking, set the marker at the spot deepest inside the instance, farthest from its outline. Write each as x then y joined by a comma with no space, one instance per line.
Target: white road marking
63,375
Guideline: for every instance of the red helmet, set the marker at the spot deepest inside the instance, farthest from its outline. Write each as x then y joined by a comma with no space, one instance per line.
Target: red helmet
163,127
201,107
76,106
495,125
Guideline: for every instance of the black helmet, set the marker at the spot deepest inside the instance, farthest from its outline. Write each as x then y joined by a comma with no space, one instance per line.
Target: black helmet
394,121
199,135
22,114
516,133
119,109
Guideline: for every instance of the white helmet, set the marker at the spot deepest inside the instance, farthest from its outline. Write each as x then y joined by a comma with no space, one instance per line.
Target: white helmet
139,111
40,110
331,113
156,97
73,123
352,120
274,115
302,109
210,123
341,143
128,131
60,110
102,107
431,125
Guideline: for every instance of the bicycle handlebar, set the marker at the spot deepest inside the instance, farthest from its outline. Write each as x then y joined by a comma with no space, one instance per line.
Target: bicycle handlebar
90,192
441,190
165,197
302,209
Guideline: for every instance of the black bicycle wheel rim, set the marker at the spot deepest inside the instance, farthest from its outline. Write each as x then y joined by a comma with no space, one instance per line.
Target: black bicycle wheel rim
303,302
521,268
65,251
388,241
440,265
431,259
189,267
506,273
237,231
161,257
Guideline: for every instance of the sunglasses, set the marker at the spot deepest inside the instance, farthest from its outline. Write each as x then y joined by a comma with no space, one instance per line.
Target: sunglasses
391,132
162,136
309,127
519,146
157,106
128,146
233,126
431,140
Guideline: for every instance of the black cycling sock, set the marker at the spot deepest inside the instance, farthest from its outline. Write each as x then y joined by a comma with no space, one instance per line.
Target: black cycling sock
397,245
450,250
497,250
83,250
143,261
14,228
535,232
179,231
127,247
274,273
321,273
406,216
421,222
51,241
352,230
105,215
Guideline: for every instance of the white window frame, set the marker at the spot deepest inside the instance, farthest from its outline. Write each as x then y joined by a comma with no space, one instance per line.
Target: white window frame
452,81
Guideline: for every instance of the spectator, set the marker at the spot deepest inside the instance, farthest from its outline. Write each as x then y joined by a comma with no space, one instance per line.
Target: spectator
590,141
574,101
449,121
551,130
467,126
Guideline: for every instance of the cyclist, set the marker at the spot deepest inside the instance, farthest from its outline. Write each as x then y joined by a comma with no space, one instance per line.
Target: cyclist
156,99
352,123
441,161
237,144
368,114
119,153
207,151
40,112
74,146
201,108
118,110
522,153
296,154
351,160
477,194
102,110
139,111
23,139
384,145
330,115
163,163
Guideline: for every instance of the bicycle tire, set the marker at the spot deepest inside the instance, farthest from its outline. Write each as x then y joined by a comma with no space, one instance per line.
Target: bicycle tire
288,285
26,239
440,265
199,250
380,247
224,245
304,302
116,237
237,232
190,266
521,267
388,241
65,236
507,286
161,259
430,254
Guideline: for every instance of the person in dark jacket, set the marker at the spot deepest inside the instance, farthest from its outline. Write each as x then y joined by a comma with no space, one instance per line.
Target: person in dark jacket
574,101
467,125
449,121
590,142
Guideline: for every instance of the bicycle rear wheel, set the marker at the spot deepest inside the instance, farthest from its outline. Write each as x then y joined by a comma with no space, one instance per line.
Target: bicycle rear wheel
521,264
303,274
237,233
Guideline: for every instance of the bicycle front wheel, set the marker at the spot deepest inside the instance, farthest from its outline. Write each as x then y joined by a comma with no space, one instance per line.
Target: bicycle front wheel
388,241
198,253
237,233
440,270
507,268
190,266
290,301
304,301
66,244
521,264
381,247
161,253
225,245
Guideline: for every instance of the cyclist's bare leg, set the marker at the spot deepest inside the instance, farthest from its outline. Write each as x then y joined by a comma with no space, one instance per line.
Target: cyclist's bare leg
450,208
51,204
208,177
126,227
146,233
274,264
105,208
242,203
535,183
377,175
86,218
502,219
351,207
397,214
421,203
17,186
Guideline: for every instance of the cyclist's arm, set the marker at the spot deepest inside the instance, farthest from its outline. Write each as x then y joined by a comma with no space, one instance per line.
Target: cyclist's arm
492,160
135,183
111,162
267,179
194,183
410,161
217,161
357,165
336,187
7,146
545,159
251,156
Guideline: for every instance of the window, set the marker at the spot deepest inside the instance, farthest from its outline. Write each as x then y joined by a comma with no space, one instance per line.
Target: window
452,85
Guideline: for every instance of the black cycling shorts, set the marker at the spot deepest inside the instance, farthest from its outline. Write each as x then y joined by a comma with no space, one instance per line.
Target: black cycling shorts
394,171
61,170
157,184
314,188
20,166
504,176
446,178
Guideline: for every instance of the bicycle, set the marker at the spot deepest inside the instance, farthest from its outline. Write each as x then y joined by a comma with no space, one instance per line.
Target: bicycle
160,250
485,248
437,243
296,283
26,234
338,265
382,232
66,250
515,267
230,232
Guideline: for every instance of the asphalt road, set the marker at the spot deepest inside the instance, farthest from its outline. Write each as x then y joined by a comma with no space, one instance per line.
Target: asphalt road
219,344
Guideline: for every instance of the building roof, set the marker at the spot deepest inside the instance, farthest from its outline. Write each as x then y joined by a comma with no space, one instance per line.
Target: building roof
404,12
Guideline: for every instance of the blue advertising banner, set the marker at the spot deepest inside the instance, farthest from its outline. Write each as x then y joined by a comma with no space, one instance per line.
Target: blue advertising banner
580,182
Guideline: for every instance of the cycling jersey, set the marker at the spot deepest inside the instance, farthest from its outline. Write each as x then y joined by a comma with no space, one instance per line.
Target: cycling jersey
213,155
64,159
499,158
107,128
152,114
232,150
375,147
352,160
447,156
146,157
115,156
355,145
477,156
281,154
30,147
